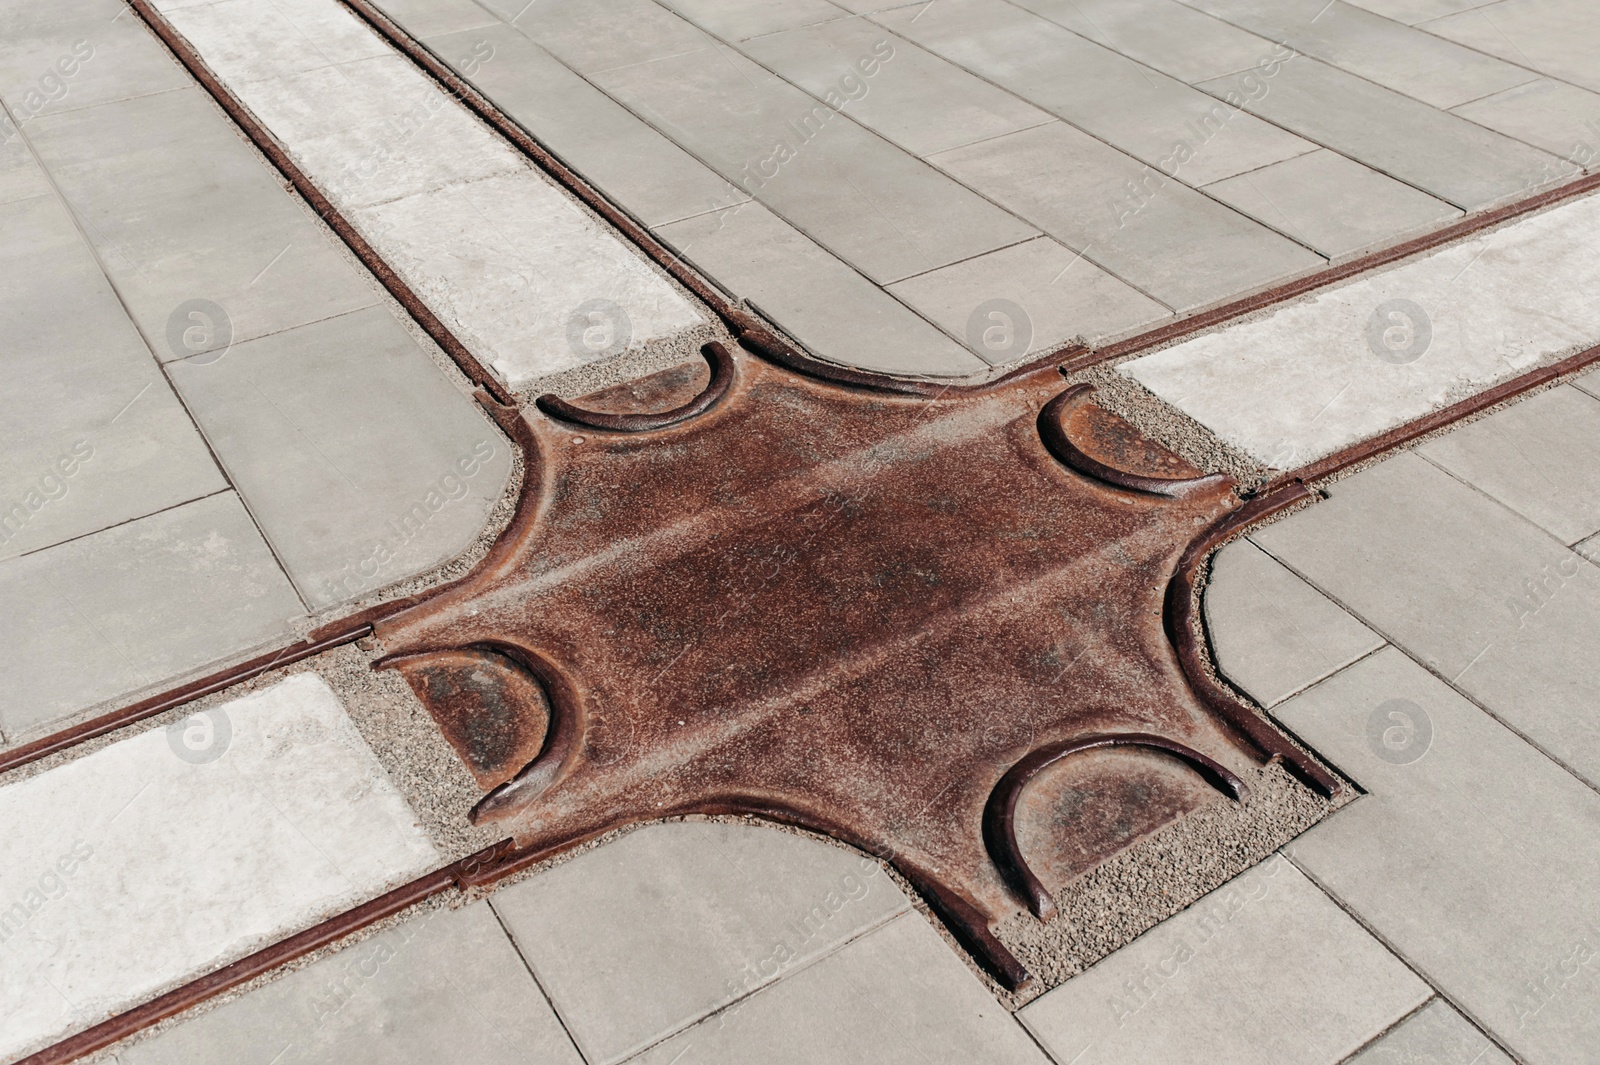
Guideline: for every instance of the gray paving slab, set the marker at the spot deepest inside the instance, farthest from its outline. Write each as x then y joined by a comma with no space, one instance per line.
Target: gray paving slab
1272,633
829,308
1413,11
91,434
917,100
1472,855
1422,66
1062,296
1562,119
1540,457
657,930
1554,37
591,37
362,463
1333,204
432,18
1434,1035
70,54
1171,242
20,176
1154,118
1590,549
898,996
444,986
1164,34
179,209
736,20
134,606
1589,382
1482,596
1265,970
1441,153
245,41
649,175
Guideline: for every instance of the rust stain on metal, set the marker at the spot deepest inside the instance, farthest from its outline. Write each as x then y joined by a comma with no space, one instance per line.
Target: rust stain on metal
877,616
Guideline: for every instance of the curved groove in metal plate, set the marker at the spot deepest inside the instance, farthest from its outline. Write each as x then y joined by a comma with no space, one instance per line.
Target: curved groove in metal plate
1053,431
722,375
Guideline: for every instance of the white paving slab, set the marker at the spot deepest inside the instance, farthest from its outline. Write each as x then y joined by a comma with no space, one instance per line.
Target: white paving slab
165,855
1350,361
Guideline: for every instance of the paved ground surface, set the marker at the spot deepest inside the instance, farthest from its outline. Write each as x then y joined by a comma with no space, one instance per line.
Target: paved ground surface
227,428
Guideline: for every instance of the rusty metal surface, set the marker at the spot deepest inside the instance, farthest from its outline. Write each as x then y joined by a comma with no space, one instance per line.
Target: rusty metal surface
873,615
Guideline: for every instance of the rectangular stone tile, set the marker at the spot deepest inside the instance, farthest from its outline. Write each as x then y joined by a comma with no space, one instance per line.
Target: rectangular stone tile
1422,66
1413,11
1441,153
1265,970
91,434
1554,37
70,54
1333,204
1362,356
1471,854
20,176
1152,117
1272,633
1562,119
1164,34
898,996
1061,295
917,100
247,41
180,209
1434,1035
735,20
651,933
591,37
829,308
429,18
362,463
133,607
1171,242
654,179
175,851
1540,457
1478,594
443,986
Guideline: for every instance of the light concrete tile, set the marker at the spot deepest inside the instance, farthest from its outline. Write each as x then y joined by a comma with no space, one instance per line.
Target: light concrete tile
246,41
429,18
91,435
1434,1035
1333,204
1164,34
735,20
1062,296
1154,118
654,179
914,99
65,56
829,308
1265,970
660,928
180,209
1554,37
1173,243
1413,11
1590,549
1422,66
1540,457
168,854
591,37
898,996
443,986
1441,153
1562,119
20,176
133,606
506,262
1359,357
1471,854
1475,592
362,463
1274,634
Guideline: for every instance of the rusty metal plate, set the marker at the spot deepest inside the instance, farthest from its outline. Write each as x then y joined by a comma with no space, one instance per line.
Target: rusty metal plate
914,623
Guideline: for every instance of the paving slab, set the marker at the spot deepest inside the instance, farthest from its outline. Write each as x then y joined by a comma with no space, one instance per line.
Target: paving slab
1174,244
829,308
1061,294
134,606
444,986
1411,61
898,995
1332,204
1163,34
20,175
1438,152
361,461
1434,1035
1481,596
162,856
736,20
655,931
1472,855
1554,37
72,54
1272,633
1356,358
1562,119
1129,106
1413,11
1265,970
1540,457
596,37
254,41
430,18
